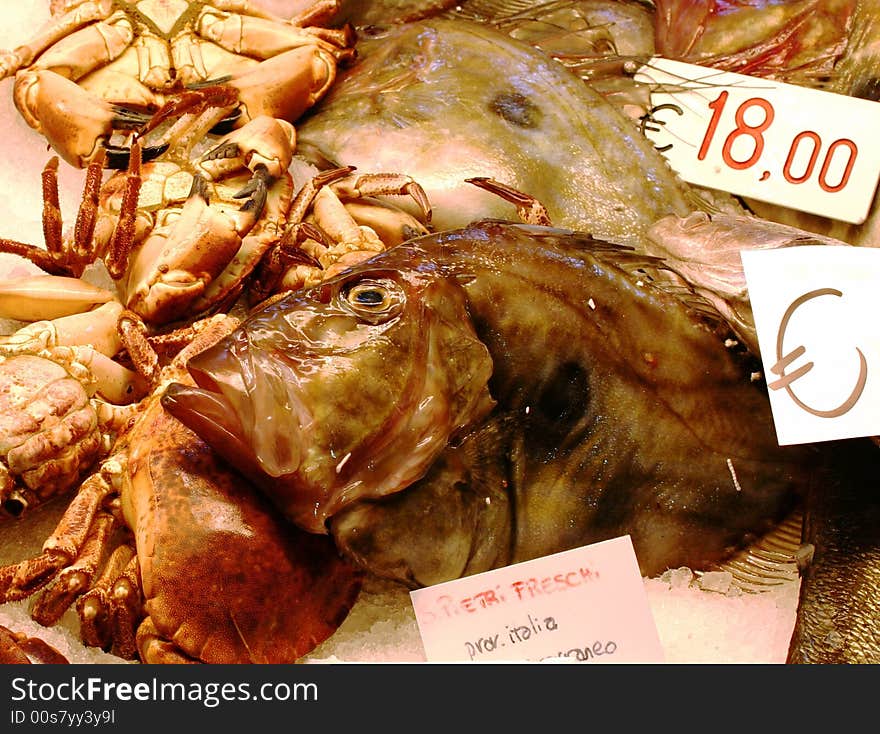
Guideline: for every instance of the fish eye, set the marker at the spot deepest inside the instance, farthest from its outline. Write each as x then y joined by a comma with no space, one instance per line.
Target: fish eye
373,299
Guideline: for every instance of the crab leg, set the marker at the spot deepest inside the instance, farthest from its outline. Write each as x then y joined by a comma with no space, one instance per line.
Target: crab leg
260,38
119,247
529,209
76,578
383,184
67,25
82,51
57,258
286,85
93,606
111,610
64,545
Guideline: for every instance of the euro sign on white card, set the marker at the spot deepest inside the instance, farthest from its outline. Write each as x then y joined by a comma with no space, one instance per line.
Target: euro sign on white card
814,311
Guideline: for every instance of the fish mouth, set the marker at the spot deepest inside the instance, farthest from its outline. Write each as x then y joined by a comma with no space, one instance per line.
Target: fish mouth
212,417
236,417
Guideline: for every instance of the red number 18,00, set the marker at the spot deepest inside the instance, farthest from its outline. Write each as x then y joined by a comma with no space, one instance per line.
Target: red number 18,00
756,133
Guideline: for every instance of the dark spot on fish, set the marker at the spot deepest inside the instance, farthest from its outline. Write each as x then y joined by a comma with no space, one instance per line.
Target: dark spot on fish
867,89
565,399
517,109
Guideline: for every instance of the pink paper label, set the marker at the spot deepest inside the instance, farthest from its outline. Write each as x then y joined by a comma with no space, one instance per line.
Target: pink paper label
583,605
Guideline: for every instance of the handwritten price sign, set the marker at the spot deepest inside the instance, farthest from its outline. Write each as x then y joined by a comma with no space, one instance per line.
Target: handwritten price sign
582,605
820,347
803,148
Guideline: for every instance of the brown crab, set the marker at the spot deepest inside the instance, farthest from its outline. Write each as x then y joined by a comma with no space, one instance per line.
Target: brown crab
336,221
171,556
99,63
56,378
178,234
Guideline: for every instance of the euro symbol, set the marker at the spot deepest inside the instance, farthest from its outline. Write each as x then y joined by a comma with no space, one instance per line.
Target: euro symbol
649,117
782,362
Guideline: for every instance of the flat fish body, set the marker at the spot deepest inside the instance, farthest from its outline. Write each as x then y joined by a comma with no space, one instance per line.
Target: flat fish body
444,100
526,390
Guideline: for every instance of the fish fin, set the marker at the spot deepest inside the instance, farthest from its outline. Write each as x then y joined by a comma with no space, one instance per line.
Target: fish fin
492,10
699,305
769,562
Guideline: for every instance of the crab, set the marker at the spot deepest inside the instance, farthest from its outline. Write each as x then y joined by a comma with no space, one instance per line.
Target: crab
175,236
345,225
99,66
57,383
178,234
169,556
336,221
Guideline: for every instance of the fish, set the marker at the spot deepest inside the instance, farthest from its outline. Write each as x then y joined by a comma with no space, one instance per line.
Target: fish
797,41
427,99
601,41
705,250
832,45
487,395
837,619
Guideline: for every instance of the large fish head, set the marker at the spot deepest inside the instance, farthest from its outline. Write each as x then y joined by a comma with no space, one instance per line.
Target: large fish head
345,391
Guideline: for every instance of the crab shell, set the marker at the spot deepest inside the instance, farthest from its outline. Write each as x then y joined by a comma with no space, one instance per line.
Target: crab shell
225,579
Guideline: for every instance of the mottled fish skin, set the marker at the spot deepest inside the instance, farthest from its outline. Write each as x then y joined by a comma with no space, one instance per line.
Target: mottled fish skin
617,410
838,620
428,99
601,41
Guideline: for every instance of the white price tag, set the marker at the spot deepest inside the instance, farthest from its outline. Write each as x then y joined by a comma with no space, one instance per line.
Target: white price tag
814,310
802,148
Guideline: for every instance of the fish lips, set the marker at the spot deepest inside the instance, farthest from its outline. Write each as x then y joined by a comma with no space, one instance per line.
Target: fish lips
221,410
212,417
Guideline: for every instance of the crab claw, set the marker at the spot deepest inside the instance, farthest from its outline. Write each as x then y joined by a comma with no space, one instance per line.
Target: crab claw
264,141
73,121
176,262
255,191
286,85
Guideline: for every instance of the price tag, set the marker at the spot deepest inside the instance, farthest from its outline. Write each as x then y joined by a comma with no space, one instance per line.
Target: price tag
802,148
814,309
583,605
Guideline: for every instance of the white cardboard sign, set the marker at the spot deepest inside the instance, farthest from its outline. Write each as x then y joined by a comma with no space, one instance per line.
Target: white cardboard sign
815,311
584,605
781,143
